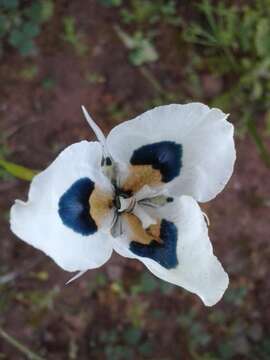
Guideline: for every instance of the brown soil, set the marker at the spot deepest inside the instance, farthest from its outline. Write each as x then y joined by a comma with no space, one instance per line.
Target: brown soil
35,124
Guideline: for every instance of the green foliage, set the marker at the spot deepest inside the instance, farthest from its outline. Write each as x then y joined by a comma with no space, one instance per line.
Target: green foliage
196,332
99,282
29,72
109,3
236,295
124,343
72,37
151,11
236,42
17,171
39,301
142,50
147,283
20,23
95,78
48,83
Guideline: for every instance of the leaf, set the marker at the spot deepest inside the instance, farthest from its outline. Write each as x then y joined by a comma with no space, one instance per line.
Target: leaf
34,12
47,10
262,37
9,4
127,40
27,47
111,2
18,171
16,37
3,25
143,53
21,38
142,50
30,29
267,123
132,336
29,72
72,36
148,283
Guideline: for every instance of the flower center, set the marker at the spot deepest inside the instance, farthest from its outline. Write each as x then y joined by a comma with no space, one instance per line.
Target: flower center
126,204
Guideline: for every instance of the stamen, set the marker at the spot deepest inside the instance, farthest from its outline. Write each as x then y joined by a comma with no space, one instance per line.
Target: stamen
117,228
156,201
126,204
96,129
109,167
206,218
75,277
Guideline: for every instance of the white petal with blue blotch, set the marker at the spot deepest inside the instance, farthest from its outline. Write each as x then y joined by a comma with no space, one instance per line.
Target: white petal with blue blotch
38,222
198,270
196,147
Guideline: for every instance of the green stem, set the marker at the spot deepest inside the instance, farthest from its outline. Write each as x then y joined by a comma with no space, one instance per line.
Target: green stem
17,171
231,59
22,348
152,80
264,153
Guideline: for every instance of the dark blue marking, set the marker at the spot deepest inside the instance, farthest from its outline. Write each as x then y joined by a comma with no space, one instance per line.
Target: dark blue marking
165,253
165,156
74,207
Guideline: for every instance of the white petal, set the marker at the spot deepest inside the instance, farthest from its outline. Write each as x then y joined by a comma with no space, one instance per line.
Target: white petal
144,216
38,223
206,138
198,269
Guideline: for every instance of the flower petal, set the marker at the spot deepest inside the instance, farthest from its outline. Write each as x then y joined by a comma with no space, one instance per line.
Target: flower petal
186,258
191,145
56,218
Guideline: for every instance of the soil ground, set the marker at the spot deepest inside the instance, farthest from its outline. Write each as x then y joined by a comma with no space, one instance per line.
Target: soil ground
119,311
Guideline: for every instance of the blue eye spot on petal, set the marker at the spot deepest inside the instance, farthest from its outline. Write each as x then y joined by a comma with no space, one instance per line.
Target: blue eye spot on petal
74,208
164,254
165,156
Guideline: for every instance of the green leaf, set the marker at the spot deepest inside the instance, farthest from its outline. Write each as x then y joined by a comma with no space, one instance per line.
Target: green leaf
9,4
143,53
28,47
146,349
132,336
142,50
20,41
34,12
262,37
267,123
72,36
111,2
29,72
47,10
16,37
30,29
18,171
3,25
148,283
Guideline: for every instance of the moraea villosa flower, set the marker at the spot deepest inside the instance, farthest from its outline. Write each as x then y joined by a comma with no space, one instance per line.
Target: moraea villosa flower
136,192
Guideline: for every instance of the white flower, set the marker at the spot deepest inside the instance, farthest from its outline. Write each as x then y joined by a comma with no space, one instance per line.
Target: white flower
136,192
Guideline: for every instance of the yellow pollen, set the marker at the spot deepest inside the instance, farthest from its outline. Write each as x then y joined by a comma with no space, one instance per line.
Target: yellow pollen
140,175
101,204
138,233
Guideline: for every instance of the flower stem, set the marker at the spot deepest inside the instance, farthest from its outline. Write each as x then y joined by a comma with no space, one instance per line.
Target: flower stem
152,80
263,152
22,348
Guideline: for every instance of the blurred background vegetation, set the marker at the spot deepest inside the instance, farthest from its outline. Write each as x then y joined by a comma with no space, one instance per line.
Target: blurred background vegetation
119,58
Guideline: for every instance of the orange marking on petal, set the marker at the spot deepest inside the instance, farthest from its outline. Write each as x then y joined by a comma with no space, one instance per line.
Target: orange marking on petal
138,233
140,175
101,204
154,230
